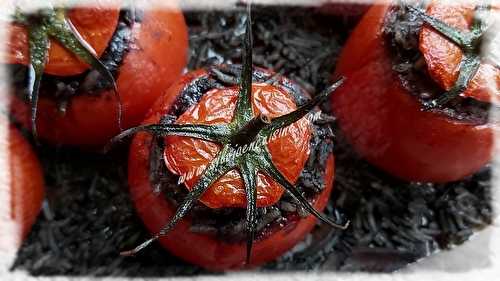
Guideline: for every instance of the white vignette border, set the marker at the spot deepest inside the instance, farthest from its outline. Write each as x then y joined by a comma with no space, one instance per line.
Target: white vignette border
438,267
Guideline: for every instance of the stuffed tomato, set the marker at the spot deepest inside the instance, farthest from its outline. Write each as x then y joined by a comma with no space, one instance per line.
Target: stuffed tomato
231,225
26,187
102,68
416,104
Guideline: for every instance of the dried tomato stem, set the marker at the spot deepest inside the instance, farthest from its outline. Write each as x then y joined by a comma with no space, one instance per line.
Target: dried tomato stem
458,37
244,147
254,158
266,165
38,57
53,23
244,105
214,133
250,181
296,115
248,133
470,44
214,171
469,66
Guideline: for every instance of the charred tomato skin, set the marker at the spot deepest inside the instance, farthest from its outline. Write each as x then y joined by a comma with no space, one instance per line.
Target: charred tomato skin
155,59
201,249
26,184
386,125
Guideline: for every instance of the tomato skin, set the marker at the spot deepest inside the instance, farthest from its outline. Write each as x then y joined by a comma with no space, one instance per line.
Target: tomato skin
201,249
95,24
155,60
289,152
387,126
444,58
26,185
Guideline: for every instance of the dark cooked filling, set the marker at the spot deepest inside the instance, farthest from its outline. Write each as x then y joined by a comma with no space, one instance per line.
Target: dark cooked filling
303,48
90,81
229,223
402,30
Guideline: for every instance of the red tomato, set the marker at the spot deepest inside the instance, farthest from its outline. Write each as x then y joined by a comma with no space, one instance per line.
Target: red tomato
386,124
96,26
443,57
203,249
157,56
189,157
26,182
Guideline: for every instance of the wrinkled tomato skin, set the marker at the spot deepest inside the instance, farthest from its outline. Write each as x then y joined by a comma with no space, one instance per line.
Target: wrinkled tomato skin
156,58
26,186
289,151
95,25
387,126
201,249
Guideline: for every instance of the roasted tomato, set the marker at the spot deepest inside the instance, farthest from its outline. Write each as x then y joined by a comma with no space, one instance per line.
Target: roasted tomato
95,24
189,157
414,103
232,148
138,53
26,186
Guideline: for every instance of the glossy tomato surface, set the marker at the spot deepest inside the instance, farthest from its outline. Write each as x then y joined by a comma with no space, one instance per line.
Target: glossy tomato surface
386,124
26,184
156,58
203,249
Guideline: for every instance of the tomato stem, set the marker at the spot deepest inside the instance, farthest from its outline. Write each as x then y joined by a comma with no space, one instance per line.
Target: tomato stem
214,133
243,111
266,164
469,65
217,168
244,147
458,37
249,132
470,44
479,24
296,115
54,23
38,57
249,155
250,181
